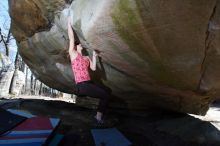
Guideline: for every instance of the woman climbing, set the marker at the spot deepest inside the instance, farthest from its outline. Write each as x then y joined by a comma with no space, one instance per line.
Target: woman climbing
80,67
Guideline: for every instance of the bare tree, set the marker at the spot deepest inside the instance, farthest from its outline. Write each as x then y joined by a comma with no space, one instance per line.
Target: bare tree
6,40
35,86
40,90
26,80
31,85
16,61
22,66
6,37
19,63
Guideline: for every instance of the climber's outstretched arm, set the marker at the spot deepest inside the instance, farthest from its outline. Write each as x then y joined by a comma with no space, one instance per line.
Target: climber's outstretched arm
72,51
93,61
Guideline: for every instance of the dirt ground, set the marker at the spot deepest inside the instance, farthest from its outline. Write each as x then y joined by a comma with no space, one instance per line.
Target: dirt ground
142,128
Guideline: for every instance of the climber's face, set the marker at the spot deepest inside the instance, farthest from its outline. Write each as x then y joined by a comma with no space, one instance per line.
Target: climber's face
79,48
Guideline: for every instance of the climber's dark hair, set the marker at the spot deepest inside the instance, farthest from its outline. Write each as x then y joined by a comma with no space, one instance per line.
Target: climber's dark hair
68,1
76,38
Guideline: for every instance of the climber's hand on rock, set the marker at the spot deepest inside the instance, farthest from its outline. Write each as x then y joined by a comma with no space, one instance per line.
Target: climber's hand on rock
97,52
94,53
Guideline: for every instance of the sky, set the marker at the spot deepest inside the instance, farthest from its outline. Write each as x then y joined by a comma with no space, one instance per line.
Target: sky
5,22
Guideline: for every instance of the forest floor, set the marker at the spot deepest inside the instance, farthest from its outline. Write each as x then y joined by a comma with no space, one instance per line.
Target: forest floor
142,128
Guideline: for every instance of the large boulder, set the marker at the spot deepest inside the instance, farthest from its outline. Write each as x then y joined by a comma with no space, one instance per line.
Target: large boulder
153,53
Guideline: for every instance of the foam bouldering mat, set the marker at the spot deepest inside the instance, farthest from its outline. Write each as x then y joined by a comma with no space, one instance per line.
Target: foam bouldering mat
32,132
9,120
55,141
21,113
71,139
5,104
109,137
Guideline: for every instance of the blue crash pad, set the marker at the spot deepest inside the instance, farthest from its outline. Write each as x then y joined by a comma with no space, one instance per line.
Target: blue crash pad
109,137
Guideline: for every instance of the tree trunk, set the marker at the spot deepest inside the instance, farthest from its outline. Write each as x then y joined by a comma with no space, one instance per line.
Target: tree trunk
7,42
26,80
35,87
31,85
16,61
22,66
40,91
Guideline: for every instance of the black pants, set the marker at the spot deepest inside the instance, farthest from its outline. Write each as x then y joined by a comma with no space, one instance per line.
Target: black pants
88,88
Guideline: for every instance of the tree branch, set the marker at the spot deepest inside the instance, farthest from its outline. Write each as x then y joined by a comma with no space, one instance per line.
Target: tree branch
5,42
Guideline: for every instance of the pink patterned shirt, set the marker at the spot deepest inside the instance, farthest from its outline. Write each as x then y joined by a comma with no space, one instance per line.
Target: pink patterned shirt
80,67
